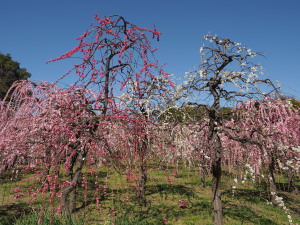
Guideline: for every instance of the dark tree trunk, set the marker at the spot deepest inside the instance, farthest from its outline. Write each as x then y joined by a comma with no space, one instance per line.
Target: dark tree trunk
142,151
142,154
216,169
217,172
72,200
67,207
68,199
203,173
141,194
272,184
292,186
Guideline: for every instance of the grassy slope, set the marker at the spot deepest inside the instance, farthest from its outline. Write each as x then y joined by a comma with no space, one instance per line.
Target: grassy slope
246,205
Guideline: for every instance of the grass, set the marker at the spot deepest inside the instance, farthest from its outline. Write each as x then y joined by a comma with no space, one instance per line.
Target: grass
246,205
32,218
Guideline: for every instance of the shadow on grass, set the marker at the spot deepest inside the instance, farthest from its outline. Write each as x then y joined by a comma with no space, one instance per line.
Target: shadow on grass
256,197
251,196
8,177
10,213
159,214
286,187
245,215
170,189
291,203
295,209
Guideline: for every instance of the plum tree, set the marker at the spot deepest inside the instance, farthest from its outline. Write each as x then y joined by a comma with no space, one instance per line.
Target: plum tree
227,73
269,130
118,80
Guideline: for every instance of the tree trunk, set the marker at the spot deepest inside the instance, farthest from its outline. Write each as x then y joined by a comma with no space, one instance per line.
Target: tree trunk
142,151
272,184
292,186
141,194
203,173
66,206
72,200
214,123
68,199
216,172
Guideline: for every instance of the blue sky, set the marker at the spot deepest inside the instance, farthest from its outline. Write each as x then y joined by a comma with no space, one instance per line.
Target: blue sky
35,31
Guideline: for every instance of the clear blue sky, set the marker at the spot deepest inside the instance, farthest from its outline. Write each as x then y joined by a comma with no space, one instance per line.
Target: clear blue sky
34,31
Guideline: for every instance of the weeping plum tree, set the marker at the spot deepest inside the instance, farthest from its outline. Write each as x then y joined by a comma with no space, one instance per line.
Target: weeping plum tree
186,128
263,138
71,127
227,73
264,134
48,131
118,62
157,94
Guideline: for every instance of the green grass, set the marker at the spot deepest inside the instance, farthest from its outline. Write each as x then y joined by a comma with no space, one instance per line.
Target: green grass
247,205
32,218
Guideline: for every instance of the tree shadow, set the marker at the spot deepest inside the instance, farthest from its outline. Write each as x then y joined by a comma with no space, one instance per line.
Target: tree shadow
170,189
10,213
291,203
252,196
285,187
245,215
8,177
154,213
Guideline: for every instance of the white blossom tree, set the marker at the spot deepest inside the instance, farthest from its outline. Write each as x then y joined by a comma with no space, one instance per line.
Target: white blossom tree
228,73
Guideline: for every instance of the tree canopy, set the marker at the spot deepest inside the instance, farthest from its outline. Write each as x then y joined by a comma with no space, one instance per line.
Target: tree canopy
10,71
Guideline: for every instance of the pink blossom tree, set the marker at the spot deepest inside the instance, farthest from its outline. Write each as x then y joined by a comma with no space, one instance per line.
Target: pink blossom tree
50,131
119,82
264,135
126,78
